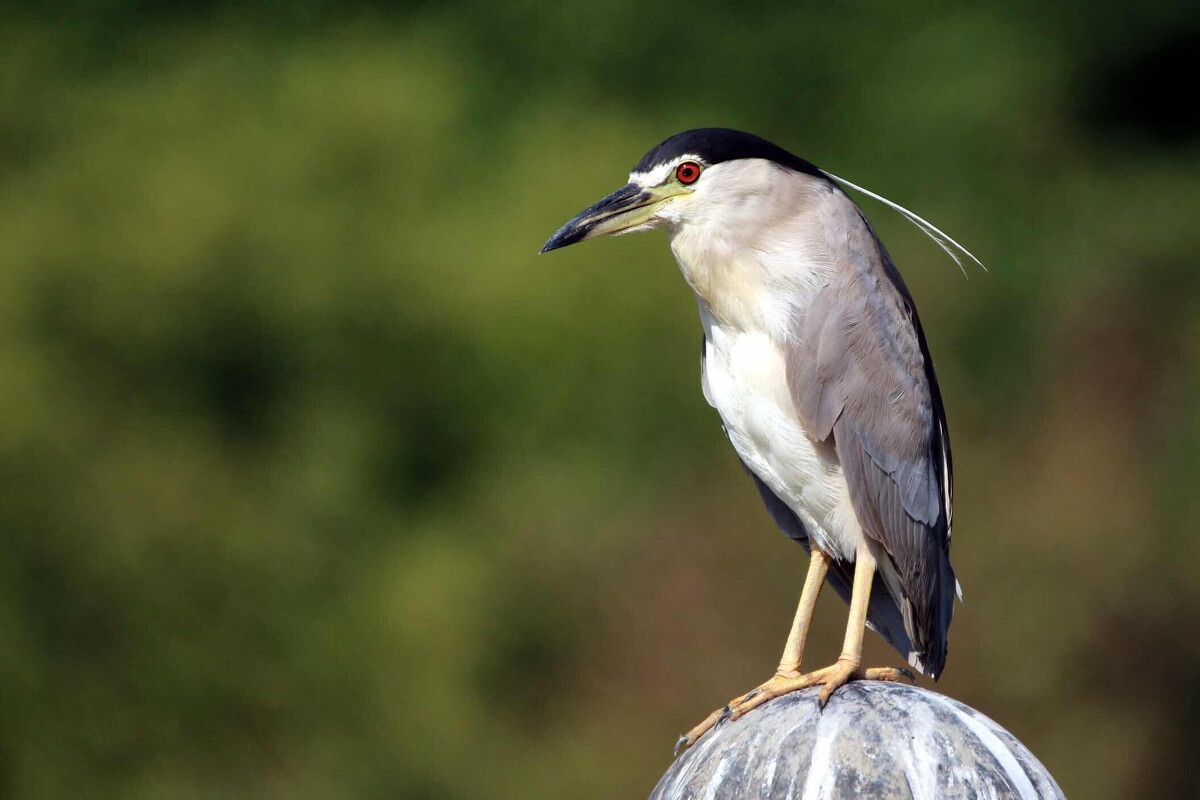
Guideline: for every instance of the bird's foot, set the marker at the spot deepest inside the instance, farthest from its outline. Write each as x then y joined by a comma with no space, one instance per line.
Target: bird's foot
841,672
832,677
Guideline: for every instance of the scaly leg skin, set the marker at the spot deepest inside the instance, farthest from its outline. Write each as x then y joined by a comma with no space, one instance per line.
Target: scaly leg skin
788,677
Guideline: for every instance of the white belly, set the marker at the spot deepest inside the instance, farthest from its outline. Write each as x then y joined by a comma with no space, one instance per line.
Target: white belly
745,380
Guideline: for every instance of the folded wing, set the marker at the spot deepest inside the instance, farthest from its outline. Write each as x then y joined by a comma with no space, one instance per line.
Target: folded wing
859,370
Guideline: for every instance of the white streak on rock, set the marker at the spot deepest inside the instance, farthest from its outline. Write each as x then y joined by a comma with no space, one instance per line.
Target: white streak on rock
997,748
714,784
821,774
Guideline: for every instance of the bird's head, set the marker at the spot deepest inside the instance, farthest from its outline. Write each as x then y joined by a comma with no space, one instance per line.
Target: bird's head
702,174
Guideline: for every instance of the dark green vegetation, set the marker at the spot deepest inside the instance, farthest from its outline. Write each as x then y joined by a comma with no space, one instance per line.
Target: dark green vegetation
315,481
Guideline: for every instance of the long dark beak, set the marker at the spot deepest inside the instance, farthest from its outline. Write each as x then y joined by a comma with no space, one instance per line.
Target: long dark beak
613,214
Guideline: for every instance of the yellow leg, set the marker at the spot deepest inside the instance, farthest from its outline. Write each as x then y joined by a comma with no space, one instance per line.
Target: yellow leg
793,651
787,677
860,597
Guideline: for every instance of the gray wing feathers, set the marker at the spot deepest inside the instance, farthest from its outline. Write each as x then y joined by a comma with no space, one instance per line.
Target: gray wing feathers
917,551
857,356
859,371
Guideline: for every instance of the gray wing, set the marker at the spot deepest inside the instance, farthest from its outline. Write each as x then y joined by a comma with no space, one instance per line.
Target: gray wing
859,370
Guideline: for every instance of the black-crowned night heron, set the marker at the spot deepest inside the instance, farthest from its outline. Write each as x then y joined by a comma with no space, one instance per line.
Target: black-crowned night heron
816,362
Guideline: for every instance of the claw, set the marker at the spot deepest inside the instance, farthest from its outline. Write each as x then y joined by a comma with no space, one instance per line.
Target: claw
750,695
726,712
839,675
681,743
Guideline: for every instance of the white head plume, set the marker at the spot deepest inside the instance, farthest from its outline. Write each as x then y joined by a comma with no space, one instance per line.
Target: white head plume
940,237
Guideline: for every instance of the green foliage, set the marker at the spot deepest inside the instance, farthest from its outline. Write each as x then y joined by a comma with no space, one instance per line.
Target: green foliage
317,482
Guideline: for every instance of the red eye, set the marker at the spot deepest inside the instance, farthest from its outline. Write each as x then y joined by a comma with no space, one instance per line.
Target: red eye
687,172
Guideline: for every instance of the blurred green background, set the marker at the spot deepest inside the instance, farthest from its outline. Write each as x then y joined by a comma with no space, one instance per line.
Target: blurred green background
318,482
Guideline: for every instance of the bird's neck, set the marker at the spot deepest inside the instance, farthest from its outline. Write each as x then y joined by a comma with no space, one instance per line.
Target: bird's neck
754,278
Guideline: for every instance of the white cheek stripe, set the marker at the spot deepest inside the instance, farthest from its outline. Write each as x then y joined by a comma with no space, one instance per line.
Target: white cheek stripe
657,175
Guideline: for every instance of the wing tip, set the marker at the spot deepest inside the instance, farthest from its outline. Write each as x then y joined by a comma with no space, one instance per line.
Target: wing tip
931,670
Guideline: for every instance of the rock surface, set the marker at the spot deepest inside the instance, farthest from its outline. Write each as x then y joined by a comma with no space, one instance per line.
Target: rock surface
877,740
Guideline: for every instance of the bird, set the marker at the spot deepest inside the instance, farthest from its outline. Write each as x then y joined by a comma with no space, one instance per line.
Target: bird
816,362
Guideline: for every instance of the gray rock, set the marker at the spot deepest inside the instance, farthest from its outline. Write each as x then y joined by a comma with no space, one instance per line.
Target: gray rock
874,739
